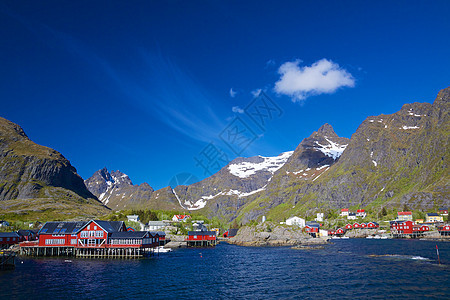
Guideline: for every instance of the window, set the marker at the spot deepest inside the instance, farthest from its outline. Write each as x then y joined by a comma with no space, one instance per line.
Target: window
84,234
7,239
73,241
99,233
95,227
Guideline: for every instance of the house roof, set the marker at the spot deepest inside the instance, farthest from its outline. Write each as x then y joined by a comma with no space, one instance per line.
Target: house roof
404,213
352,214
432,214
360,210
24,232
8,234
344,209
130,234
118,225
443,208
156,223
62,227
313,225
202,233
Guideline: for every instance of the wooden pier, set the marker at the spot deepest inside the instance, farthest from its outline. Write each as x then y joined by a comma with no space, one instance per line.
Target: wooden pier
129,252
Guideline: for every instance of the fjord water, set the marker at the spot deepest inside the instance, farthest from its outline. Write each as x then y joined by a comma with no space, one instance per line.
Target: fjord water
354,268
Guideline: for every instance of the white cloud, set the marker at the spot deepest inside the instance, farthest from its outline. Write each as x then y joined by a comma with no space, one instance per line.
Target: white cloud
322,77
232,93
256,92
237,109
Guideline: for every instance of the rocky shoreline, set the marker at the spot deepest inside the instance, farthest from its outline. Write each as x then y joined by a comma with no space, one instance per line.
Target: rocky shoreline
271,234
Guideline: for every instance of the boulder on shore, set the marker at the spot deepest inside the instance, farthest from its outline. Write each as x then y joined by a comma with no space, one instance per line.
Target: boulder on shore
272,234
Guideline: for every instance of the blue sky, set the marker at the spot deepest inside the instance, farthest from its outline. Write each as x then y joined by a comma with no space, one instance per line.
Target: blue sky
146,86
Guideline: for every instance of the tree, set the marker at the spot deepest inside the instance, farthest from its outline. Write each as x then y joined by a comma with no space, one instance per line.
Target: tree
383,211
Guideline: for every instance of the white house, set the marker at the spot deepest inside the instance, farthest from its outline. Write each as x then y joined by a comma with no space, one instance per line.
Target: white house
296,221
133,218
156,225
351,216
319,217
344,212
323,232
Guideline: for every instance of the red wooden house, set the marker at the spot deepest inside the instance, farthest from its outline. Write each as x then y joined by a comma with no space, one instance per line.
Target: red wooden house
201,238
356,225
348,226
312,229
444,229
373,225
443,211
363,225
8,238
340,231
100,236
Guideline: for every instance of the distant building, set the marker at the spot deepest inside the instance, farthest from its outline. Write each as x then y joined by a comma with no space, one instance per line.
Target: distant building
319,217
356,225
230,233
180,218
8,238
156,225
201,238
444,230
404,216
344,212
361,213
4,223
419,221
133,218
433,218
312,229
443,211
323,232
296,221
351,216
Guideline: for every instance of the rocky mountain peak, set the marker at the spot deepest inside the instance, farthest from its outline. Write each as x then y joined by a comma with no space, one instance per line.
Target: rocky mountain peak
327,130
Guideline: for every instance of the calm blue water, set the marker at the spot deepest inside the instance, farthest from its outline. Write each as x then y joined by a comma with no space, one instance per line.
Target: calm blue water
345,269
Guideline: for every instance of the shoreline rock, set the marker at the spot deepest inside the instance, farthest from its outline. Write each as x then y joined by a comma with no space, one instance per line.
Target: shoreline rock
271,234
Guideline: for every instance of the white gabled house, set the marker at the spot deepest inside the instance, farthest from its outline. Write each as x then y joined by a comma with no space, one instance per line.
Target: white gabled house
296,221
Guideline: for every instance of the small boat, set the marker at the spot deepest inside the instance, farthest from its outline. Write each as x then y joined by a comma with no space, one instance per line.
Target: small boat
369,237
377,237
161,249
345,237
384,237
335,237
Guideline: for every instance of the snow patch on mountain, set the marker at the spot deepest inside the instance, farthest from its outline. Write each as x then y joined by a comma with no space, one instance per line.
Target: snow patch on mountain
271,164
333,149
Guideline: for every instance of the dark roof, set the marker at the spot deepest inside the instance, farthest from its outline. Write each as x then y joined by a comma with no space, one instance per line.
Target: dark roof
352,214
443,208
62,227
118,225
432,214
106,225
232,232
161,233
23,232
129,234
8,234
312,223
201,233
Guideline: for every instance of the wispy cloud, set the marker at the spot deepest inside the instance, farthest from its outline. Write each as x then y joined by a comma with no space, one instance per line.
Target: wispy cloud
322,77
256,92
233,93
169,93
237,109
